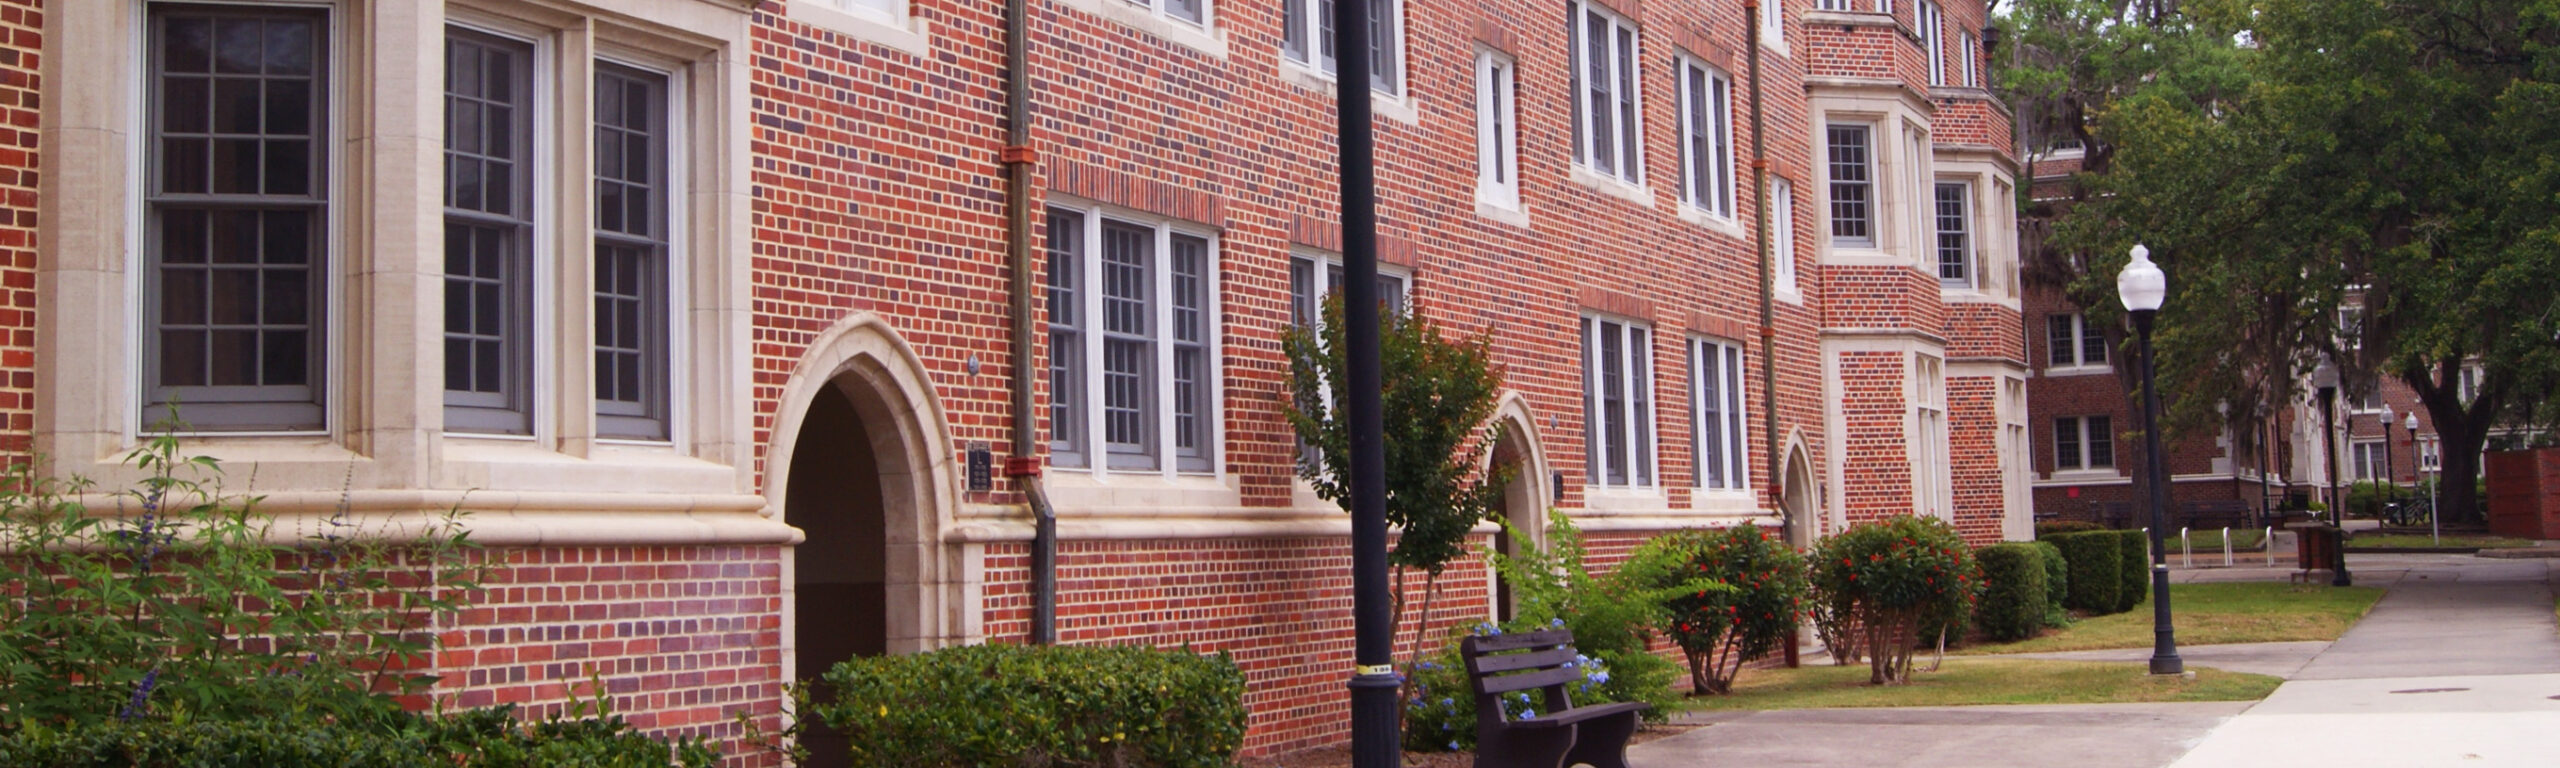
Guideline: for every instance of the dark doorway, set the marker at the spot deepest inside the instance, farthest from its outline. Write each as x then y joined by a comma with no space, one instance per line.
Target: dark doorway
1519,507
840,573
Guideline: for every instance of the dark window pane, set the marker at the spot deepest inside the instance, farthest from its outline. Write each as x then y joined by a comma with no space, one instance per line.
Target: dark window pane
288,237
489,367
235,297
457,356
187,45
288,107
457,311
182,297
182,358
237,101
235,166
285,352
235,237
182,237
289,167
184,104
288,297
234,358
289,46
237,46
182,164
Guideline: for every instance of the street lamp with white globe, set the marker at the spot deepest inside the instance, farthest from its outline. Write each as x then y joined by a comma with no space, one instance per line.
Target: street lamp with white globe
2143,287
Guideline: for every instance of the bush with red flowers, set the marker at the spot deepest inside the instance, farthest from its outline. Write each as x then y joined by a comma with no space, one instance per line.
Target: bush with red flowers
1891,577
1721,630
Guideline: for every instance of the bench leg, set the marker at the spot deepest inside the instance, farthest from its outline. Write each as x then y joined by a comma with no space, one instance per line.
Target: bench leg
1602,743
1544,748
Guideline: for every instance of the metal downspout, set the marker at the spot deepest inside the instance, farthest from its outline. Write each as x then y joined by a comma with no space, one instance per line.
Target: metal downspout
1023,465
1768,286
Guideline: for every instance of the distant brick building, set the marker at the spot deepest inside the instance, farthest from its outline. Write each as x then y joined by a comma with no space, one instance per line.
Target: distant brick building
716,299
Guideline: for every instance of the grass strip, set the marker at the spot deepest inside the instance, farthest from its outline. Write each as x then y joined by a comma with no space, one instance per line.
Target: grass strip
2419,541
2213,614
1983,681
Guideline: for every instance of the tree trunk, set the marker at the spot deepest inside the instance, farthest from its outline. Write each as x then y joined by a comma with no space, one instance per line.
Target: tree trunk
2461,431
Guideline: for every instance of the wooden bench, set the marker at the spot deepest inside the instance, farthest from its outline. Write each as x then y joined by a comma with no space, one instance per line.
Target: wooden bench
2116,515
1559,734
2215,513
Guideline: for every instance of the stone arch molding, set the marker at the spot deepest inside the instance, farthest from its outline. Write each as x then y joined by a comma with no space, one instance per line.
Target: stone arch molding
931,603
1513,410
1807,524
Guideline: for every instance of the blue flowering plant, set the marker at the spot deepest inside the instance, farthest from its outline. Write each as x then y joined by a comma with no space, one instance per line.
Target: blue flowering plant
1440,707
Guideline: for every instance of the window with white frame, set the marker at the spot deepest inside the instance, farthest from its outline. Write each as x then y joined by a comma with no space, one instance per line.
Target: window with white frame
2370,461
1930,470
1132,376
1607,130
897,9
1715,410
1930,22
1835,5
1782,234
1850,161
1617,396
1955,235
1969,56
1497,130
488,233
235,208
2350,328
2071,340
1884,7
2367,397
632,252
1315,276
1773,21
1193,11
2083,443
2469,389
1307,38
1706,137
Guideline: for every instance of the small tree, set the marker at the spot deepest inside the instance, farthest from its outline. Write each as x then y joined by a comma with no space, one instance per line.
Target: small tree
1439,394
1893,577
1719,630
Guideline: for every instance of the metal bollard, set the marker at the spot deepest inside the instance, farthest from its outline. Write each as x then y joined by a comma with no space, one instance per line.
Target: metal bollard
2226,546
2267,540
2187,546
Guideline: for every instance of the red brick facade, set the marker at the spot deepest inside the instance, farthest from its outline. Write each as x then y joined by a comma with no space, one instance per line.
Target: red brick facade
875,197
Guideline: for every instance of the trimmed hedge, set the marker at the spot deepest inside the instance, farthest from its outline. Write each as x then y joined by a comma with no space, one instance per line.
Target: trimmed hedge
1013,706
2057,584
2095,560
2135,548
487,738
2054,528
2013,597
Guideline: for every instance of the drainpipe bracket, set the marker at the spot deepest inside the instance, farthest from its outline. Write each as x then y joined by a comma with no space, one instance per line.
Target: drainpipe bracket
1022,466
1021,155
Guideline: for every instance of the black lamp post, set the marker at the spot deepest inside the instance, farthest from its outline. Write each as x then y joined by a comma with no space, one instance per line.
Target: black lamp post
2143,287
2325,378
1374,741
2390,488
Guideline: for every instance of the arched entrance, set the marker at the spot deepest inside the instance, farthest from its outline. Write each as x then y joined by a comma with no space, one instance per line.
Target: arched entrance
1524,499
1801,500
861,464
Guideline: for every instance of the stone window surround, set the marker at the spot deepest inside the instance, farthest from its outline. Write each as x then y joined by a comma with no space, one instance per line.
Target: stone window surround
1901,235
383,449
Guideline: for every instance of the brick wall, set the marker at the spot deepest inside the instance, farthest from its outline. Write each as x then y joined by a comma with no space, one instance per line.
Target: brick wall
21,102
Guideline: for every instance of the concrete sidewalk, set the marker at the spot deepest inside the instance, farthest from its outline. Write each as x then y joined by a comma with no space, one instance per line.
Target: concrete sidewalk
2458,665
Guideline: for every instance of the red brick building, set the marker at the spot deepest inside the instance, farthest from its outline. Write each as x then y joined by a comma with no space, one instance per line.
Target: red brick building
717,294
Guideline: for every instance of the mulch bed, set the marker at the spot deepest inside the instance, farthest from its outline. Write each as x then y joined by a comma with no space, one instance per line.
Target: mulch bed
1340,757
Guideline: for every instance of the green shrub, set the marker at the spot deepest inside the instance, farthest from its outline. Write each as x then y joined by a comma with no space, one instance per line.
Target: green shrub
2013,596
2134,577
1718,630
2365,497
1894,577
1613,617
119,612
488,738
1031,706
2095,563
2057,584
2058,527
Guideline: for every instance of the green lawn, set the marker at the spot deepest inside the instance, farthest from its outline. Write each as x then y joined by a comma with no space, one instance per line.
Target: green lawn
2209,614
1982,681
2413,540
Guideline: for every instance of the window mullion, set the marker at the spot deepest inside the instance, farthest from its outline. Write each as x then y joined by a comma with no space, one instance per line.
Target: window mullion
1097,450
1161,404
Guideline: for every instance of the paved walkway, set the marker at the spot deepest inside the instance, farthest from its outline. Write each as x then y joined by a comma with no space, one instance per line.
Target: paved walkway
2459,665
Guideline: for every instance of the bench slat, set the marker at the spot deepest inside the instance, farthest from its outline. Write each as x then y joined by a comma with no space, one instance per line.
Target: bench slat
1507,662
1517,640
1575,715
1526,680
